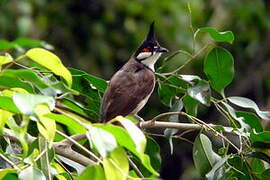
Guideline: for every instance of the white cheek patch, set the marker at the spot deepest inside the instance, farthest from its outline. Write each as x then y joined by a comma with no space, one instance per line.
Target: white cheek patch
144,55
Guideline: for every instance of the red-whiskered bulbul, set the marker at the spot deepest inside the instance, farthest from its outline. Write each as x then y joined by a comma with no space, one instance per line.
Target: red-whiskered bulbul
130,87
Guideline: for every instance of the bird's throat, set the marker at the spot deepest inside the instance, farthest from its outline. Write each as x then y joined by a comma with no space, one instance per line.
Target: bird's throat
150,62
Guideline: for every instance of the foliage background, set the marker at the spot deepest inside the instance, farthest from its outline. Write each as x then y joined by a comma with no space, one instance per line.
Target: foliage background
99,36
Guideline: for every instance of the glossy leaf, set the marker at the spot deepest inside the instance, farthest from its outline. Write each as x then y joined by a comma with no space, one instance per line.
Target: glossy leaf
251,119
260,137
51,62
201,92
32,100
135,133
247,103
259,155
203,156
120,159
217,172
226,36
94,82
25,75
219,68
103,141
96,172
111,171
190,105
31,173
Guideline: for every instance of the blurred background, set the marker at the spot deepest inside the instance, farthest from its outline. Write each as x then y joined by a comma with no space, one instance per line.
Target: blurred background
99,36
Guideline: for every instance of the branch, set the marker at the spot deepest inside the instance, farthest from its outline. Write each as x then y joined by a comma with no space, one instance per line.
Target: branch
163,125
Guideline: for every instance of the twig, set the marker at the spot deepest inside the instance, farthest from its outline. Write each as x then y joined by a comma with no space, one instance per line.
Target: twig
79,145
175,136
136,169
9,162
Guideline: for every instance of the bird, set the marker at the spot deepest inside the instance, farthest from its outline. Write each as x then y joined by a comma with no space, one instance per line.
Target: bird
130,87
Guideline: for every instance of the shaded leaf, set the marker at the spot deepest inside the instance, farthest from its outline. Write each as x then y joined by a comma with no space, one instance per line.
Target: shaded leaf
266,174
217,173
219,68
11,82
226,36
51,62
190,105
251,119
247,103
259,155
203,156
201,92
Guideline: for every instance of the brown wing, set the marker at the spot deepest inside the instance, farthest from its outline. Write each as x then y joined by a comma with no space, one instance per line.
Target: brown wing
126,90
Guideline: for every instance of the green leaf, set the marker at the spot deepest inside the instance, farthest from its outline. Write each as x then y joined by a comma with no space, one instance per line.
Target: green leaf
170,87
257,166
247,103
203,155
153,150
4,116
169,132
190,105
259,155
10,82
32,100
25,75
31,173
201,92
4,172
111,171
266,174
226,36
260,137
51,62
94,82
251,119
26,43
120,158
124,139
217,172
7,103
103,141
240,167
219,68
135,133
96,172
73,125
46,126
5,59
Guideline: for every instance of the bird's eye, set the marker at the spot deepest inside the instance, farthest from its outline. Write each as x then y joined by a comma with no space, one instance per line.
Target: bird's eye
146,50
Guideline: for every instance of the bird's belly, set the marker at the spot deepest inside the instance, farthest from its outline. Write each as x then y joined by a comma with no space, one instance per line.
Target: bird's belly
140,105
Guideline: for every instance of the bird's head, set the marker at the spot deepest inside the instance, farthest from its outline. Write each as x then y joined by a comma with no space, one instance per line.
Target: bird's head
150,50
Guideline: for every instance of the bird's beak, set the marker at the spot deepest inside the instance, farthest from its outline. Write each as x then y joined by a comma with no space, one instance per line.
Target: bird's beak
162,49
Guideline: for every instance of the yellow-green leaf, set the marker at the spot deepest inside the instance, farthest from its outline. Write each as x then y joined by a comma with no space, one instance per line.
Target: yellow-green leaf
51,62
4,116
46,126
5,59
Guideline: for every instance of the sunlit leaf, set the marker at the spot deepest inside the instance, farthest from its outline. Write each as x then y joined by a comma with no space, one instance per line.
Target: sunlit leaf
7,103
73,125
46,126
135,133
247,103
219,68
203,156
119,157
4,116
111,170
103,141
95,172
31,173
51,62
32,100
226,36
5,59
4,172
